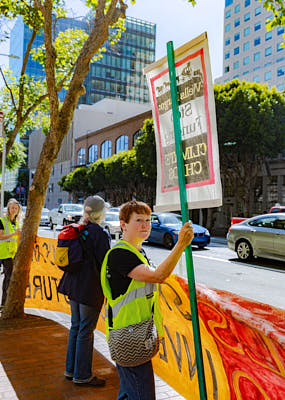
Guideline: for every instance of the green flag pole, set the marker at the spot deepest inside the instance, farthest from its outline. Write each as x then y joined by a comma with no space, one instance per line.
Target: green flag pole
185,218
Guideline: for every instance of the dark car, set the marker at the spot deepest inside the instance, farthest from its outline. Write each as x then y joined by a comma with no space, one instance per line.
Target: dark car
165,229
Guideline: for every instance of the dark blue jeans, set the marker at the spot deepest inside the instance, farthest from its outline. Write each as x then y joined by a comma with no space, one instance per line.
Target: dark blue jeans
80,342
136,383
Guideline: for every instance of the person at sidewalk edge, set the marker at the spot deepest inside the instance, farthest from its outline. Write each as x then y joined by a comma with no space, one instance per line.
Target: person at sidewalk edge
84,291
124,268
9,232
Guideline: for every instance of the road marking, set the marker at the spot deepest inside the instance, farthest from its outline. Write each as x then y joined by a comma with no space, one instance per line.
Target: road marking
241,263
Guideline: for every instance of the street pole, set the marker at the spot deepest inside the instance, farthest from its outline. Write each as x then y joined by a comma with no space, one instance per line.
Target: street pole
185,218
2,134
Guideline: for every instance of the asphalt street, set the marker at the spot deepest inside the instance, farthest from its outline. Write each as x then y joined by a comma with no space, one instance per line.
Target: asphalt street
218,267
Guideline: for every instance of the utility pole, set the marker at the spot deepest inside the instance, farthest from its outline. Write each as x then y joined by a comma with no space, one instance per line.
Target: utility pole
3,136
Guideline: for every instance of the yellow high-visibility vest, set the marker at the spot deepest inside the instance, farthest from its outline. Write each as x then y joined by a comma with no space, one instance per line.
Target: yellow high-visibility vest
8,247
137,304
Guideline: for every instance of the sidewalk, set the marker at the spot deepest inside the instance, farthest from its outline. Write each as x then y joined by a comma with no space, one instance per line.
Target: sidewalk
32,355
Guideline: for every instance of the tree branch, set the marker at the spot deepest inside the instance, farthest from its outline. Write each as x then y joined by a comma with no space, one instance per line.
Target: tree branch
9,89
25,61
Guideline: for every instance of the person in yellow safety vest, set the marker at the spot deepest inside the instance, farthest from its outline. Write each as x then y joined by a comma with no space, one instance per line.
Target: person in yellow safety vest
125,274
9,231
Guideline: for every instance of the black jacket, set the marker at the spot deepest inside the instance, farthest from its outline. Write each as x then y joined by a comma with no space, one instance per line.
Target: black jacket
84,286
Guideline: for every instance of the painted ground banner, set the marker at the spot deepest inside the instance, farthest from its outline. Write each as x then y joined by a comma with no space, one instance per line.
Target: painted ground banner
243,341
198,128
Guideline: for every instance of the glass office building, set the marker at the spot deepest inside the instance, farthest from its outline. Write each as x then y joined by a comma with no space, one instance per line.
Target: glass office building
118,74
251,52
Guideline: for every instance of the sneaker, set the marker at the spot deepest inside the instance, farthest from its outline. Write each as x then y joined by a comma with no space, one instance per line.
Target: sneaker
95,382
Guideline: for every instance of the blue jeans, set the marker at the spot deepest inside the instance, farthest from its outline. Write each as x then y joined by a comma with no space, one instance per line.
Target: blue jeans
136,383
80,342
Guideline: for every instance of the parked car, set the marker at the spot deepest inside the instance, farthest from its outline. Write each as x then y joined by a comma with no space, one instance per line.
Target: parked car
111,223
260,236
165,228
277,209
65,214
44,217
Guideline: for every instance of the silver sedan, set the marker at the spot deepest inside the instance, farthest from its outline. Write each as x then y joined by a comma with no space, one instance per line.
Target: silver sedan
260,236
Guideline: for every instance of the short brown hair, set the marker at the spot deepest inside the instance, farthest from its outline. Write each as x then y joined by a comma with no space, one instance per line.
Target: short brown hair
138,207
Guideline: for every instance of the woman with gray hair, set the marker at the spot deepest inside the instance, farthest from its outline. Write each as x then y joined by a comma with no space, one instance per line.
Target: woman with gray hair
84,291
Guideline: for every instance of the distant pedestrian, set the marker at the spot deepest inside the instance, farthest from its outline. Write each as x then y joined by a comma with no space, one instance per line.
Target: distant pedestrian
9,231
84,291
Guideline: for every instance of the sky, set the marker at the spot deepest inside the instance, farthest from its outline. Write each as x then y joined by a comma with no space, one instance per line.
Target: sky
175,20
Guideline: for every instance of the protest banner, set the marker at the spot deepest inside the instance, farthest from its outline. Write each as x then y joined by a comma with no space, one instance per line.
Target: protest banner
243,341
198,128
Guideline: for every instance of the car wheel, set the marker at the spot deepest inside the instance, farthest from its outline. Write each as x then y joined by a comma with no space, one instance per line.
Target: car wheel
168,241
201,246
244,250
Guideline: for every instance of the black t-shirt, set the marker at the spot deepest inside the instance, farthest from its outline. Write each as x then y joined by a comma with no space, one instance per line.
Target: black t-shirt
120,263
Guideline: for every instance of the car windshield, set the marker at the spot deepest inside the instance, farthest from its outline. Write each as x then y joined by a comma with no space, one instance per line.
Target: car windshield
73,208
169,219
112,217
45,212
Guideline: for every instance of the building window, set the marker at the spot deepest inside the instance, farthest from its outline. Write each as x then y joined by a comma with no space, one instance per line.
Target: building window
257,26
267,76
268,35
227,68
256,56
246,17
256,68
280,59
280,30
237,37
237,8
106,149
256,78
246,31
228,14
229,2
247,3
281,71
81,156
227,55
257,11
227,41
237,22
257,41
236,51
267,64
268,51
236,64
246,46
279,48
245,72
228,27
92,153
246,60
236,76
122,143
281,87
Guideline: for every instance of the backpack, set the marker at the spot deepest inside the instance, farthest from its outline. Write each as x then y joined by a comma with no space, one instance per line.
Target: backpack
70,252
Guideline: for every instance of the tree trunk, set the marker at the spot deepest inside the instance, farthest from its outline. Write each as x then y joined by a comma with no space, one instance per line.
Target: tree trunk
14,306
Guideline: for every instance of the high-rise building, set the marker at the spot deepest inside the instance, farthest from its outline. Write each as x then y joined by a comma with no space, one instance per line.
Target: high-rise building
118,74
251,52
